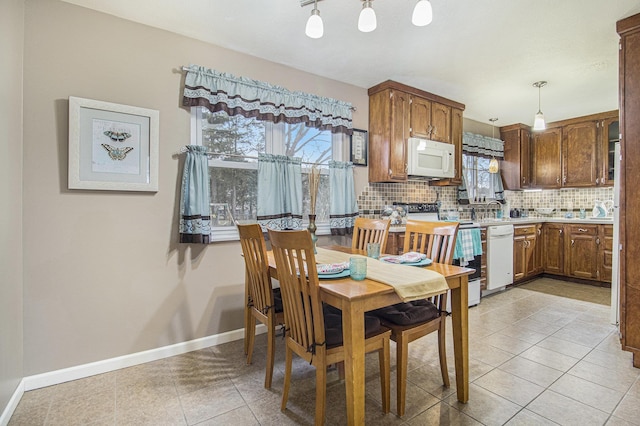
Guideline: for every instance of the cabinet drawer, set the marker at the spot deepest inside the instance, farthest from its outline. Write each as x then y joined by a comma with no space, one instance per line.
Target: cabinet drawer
582,229
608,230
524,230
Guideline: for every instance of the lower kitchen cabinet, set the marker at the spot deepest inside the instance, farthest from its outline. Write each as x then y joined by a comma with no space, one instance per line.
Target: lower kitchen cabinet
582,251
553,248
605,253
527,255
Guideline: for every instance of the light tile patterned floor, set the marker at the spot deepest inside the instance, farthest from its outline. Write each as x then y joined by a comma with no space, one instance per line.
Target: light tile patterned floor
535,359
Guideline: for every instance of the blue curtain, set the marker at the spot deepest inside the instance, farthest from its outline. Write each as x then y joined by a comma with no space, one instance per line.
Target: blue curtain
219,91
279,192
195,218
344,205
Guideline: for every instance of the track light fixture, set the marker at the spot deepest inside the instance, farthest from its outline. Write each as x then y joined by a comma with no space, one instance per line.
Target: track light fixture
367,21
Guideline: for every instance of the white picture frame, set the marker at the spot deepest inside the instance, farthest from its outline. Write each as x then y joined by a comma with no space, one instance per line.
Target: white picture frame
112,147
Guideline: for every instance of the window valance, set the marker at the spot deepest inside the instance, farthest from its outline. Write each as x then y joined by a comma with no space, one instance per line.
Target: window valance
482,146
219,91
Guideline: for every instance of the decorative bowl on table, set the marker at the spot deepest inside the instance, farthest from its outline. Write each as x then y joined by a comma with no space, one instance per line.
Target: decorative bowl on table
545,210
396,214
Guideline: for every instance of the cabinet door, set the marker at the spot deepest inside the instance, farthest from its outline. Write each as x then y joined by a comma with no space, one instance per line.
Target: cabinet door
546,158
579,154
525,158
440,122
519,257
517,157
400,104
553,242
420,117
456,139
609,135
605,253
531,266
538,250
583,251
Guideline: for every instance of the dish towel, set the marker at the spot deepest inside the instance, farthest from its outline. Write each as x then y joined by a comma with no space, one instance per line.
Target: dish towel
409,282
468,245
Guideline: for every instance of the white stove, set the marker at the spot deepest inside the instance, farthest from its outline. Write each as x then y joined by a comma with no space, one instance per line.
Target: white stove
430,212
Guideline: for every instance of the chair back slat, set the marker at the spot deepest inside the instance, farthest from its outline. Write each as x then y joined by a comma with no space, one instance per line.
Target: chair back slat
299,285
435,239
370,231
257,266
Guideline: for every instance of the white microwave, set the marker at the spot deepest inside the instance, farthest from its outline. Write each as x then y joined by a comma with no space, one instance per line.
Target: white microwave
430,159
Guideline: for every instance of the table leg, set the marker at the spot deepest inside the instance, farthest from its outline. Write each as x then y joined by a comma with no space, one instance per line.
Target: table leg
353,334
460,326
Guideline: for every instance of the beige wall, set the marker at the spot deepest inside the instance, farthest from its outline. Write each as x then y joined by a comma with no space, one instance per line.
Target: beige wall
104,274
11,279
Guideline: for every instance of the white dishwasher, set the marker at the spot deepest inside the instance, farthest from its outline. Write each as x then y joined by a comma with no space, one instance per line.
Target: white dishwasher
499,256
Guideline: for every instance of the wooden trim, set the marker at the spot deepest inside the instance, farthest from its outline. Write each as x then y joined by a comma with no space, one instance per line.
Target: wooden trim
628,24
390,84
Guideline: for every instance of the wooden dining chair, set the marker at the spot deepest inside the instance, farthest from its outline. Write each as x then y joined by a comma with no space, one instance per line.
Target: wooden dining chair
413,320
314,333
370,231
263,302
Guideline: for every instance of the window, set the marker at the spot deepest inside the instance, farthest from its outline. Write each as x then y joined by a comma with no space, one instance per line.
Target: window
480,185
234,172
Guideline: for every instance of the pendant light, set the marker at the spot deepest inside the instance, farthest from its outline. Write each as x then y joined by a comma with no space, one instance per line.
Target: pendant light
494,166
538,123
422,13
315,27
367,20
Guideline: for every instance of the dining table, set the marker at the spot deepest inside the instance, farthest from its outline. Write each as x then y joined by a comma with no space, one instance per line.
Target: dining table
354,298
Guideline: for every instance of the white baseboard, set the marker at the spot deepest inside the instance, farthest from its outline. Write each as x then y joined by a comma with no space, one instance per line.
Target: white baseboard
13,403
81,371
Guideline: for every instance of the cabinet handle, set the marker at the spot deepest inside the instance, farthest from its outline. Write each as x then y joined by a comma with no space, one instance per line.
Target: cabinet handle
582,230
539,232
564,179
597,181
573,241
560,231
558,179
597,241
523,179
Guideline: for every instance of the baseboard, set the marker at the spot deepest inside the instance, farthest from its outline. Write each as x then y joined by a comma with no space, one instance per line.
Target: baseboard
13,403
81,371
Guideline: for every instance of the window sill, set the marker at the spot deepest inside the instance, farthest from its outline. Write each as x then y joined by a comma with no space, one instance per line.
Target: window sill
230,233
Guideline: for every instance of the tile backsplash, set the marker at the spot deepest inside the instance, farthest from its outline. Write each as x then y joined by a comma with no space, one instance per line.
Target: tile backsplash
377,195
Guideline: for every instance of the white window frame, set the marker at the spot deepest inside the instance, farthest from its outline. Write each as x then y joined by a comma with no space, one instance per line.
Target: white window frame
472,190
339,144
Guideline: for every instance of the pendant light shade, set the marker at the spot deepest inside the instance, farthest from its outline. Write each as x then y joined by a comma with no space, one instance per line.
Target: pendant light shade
422,13
494,166
315,27
538,123
367,21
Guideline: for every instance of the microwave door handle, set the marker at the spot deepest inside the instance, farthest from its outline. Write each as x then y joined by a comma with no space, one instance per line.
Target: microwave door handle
445,162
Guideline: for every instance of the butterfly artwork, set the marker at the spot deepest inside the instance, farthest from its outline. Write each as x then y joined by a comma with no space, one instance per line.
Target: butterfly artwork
117,154
117,136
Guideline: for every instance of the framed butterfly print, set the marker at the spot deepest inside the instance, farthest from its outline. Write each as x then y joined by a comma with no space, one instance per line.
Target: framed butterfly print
112,146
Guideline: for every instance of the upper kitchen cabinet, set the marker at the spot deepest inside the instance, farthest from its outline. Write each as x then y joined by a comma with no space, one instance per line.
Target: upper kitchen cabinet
546,153
574,153
516,164
397,112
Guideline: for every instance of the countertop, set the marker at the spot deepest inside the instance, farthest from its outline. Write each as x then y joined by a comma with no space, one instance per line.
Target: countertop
530,220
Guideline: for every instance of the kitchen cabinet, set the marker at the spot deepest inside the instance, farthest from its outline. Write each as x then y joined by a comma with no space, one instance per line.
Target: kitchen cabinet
516,164
553,248
388,134
629,84
398,111
609,135
526,252
546,153
579,166
605,253
582,251
395,243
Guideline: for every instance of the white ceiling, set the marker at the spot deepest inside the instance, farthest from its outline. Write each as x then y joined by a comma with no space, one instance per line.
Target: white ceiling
484,54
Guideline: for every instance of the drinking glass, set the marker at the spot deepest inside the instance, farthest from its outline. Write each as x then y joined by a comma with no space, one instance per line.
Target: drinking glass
373,250
358,268
583,214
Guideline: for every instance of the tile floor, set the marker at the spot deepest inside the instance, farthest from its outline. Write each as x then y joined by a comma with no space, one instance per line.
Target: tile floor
535,359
